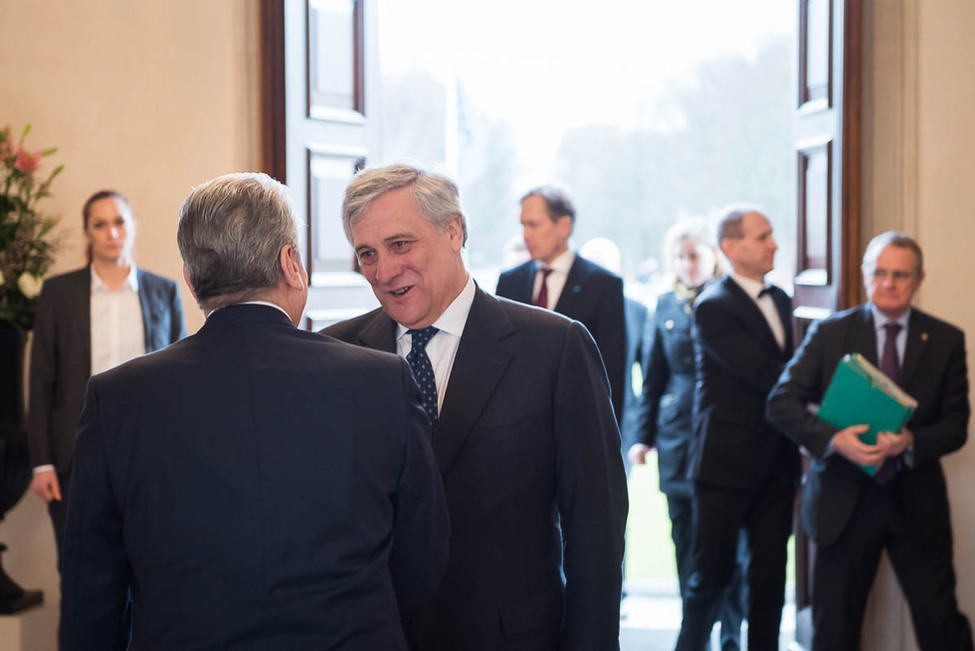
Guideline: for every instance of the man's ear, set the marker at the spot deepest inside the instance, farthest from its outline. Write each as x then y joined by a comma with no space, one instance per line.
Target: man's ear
291,267
455,230
564,225
186,277
727,246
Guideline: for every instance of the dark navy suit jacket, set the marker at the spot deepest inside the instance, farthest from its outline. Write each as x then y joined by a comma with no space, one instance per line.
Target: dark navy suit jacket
668,392
593,296
257,487
529,455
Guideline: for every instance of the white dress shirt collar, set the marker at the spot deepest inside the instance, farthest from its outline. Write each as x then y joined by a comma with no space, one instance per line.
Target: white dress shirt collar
264,303
454,318
442,347
880,319
752,287
766,306
98,285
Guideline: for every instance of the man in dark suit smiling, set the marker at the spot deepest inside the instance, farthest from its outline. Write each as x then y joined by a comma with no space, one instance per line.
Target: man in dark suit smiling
559,279
852,516
744,471
254,486
524,431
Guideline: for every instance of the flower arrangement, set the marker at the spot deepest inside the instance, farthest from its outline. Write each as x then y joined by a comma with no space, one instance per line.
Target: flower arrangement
26,253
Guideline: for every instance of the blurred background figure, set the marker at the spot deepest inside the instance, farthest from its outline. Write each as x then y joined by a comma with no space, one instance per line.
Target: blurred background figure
88,321
558,279
692,256
604,252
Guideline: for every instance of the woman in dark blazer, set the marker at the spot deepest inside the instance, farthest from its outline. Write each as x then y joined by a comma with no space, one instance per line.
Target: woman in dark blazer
668,395
88,321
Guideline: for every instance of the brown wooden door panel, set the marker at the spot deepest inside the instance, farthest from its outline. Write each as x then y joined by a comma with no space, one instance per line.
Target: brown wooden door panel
320,86
827,195
827,147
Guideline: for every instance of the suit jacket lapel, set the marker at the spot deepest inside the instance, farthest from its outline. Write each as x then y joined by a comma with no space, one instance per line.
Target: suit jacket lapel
917,341
865,336
784,306
525,283
481,360
81,305
578,272
379,333
750,312
151,311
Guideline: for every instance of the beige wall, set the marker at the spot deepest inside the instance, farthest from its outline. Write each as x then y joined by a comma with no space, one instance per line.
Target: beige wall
918,171
946,223
149,98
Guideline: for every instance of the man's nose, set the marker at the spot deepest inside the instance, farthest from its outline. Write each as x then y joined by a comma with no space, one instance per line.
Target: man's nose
386,268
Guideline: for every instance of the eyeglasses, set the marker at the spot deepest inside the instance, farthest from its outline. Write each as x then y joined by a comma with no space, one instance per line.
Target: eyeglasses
897,276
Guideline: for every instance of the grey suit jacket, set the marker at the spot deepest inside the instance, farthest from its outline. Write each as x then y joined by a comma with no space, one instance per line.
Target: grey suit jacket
60,361
934,371
528,449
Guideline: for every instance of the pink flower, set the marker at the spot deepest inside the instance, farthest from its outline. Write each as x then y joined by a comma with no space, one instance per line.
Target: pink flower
27,163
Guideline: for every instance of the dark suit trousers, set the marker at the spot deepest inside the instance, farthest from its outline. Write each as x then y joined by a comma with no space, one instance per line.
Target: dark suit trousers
844,573
731,612
719,515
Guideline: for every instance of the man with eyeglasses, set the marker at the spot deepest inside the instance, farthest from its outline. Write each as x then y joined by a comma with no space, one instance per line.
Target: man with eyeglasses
852,516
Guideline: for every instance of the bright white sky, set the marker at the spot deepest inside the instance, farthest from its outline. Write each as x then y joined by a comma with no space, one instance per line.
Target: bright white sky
556,64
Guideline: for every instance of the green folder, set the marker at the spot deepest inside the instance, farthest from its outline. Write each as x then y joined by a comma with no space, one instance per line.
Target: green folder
860,394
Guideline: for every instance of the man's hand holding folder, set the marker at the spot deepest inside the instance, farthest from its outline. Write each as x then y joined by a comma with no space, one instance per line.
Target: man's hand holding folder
870,411
889,444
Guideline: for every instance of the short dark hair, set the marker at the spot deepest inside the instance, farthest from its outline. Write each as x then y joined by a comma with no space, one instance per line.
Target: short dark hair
557,201
893,238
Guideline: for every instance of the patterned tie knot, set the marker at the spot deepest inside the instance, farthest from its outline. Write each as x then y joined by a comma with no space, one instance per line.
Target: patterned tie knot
420,338
893,329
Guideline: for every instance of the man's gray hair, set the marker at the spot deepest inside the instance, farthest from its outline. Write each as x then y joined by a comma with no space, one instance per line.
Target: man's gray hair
230,235
435,195
730,224
892,238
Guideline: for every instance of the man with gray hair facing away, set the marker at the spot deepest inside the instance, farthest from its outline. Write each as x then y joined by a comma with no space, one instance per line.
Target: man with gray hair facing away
254,486
524,431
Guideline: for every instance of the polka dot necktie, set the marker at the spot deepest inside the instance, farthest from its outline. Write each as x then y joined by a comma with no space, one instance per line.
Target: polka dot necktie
422,368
